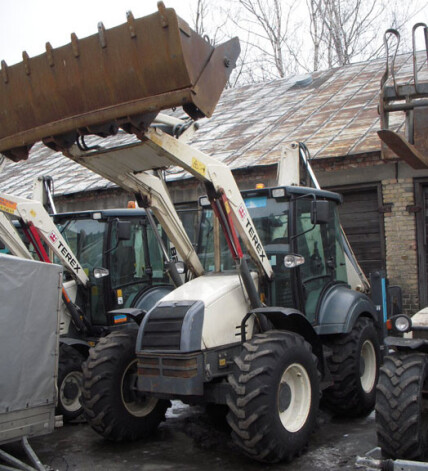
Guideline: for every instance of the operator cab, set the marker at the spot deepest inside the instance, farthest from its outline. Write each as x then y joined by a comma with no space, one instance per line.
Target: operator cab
299,223
120,254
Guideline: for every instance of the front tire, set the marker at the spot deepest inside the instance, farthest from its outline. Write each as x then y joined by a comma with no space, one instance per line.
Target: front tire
111,402
354,366
69,382
275,397
402,407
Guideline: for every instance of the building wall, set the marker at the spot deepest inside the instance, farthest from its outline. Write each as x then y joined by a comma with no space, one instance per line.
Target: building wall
101,199
397,188
400,239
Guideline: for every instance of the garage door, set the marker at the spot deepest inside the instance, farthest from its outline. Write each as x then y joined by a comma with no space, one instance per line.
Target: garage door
363,225
426,227
422,238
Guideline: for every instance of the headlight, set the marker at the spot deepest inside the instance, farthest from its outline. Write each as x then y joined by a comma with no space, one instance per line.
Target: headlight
400,323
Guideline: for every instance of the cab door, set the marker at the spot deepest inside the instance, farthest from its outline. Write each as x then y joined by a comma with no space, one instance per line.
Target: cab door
86,238
135,263
321,246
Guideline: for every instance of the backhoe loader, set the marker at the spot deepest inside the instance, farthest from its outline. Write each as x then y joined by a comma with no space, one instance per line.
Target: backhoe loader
269,319
402,401
113,259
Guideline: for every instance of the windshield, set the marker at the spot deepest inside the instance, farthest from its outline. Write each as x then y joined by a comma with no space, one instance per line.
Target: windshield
86,239
270,218
134,263
137,259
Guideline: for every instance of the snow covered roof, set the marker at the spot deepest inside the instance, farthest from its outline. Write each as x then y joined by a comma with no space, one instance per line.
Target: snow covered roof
333,112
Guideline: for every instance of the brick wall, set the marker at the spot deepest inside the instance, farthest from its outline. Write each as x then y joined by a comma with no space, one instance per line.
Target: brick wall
400,240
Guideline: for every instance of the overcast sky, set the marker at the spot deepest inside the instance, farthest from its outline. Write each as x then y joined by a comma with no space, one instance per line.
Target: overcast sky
29,24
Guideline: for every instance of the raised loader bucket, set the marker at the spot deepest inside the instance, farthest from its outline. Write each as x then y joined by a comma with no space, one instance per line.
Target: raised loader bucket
120,77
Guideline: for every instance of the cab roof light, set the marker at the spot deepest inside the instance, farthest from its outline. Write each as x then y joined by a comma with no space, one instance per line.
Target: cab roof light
278,192
97,215
260,186
204,201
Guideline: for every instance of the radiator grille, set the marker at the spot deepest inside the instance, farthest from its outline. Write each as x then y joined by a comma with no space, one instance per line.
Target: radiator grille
163,328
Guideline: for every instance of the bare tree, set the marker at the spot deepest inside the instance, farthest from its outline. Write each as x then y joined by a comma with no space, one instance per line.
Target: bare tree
266,22
316,25
269,17
285,37
349,27
208,23
200,16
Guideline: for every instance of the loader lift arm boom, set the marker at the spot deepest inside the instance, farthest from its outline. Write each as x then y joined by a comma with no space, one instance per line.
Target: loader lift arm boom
410,98
126,75
129,166
12,239
38,228
125,167
39,224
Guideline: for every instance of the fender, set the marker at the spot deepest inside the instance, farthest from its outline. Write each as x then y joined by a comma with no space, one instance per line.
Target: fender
340,308
127,313
403,344
142,303
294,321
80,345
150,295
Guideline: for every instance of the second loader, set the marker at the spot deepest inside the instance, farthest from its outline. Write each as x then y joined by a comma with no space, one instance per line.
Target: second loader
113,259
271,318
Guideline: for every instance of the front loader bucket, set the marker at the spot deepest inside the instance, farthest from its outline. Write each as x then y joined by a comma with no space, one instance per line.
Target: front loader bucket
120,77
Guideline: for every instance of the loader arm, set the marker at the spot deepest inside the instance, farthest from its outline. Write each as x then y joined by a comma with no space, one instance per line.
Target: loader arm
409,98
125,167
294,158
125,76
12,239
128,167
40,224
118,78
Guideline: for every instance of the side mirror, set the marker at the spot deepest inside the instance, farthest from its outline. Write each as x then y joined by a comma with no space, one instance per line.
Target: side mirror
100,272
181,267
123,230
319,212
293,260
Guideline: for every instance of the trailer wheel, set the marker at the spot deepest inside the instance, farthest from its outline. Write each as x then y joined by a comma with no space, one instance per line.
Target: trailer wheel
274,403
111,402
354,366
69,382
402,406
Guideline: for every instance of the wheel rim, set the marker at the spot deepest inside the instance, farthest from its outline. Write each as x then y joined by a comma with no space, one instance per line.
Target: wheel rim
294,397
368,366
70,391
134,403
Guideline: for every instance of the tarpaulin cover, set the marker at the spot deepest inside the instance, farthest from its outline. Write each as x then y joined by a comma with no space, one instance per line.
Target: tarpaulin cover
29,300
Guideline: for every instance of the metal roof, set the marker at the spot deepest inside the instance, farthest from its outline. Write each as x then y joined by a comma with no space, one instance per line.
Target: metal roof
334,112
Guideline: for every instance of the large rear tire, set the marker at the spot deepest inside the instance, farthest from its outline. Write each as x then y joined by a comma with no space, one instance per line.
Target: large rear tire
402,406
275,396
69,383
111,402
354,366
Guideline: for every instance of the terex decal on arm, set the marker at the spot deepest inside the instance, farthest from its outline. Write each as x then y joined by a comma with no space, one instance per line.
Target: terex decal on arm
33,214
38,228
222,190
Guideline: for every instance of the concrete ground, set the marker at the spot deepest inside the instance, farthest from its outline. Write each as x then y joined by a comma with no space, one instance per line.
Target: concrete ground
191,440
